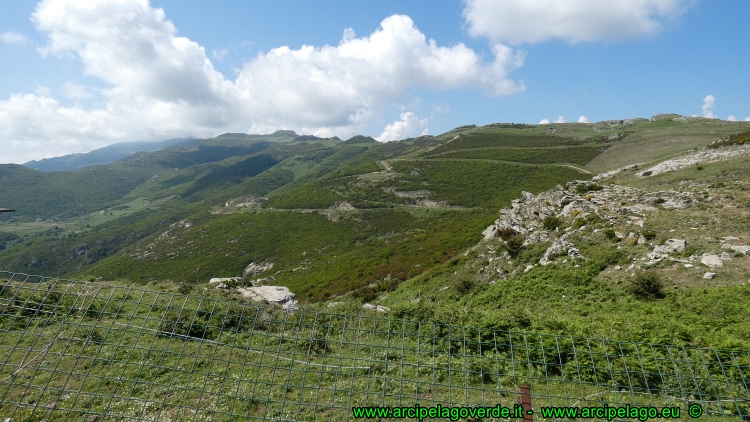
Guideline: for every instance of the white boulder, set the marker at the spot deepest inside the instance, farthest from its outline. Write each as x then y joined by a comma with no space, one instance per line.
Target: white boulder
671,245
278,295
712,261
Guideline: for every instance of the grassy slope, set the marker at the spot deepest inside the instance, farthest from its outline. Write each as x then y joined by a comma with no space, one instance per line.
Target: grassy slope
655,141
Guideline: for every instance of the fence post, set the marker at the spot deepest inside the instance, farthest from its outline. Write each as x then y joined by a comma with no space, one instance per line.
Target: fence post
526,402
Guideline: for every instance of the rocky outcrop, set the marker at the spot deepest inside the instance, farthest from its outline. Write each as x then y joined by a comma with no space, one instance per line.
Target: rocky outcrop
277,295
560,247
254,269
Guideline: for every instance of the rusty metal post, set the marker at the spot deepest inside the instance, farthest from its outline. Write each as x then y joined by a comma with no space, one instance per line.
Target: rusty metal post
526,402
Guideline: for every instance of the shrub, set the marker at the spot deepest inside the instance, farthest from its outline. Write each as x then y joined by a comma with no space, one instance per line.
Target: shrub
575,213
464,284
186,323
611,235
236,318
515,245
506,233
367,294
647,286
581,189
649,234
647,173
594,219
551,223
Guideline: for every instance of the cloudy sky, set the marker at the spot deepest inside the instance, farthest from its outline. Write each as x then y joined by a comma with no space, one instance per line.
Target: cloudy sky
77,75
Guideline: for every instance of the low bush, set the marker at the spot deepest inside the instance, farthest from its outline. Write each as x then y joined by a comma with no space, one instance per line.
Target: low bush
551,223
514,245
506,233
647,286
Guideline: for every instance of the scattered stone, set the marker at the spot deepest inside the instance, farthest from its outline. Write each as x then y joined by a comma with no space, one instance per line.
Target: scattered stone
712,261
225,279
725,256
378,308
528,268
689,265
671,245
709,276
334,304
743,249
254,269
618,268
278,295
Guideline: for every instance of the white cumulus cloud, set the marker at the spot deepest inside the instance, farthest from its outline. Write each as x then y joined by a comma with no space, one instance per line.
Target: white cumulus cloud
747,119
13,38
560,119
76,91
731,119
531,21
161,85
544,122
583,119
709,102
408,126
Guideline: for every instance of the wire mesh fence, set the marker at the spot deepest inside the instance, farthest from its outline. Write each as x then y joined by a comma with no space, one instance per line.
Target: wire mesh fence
77,351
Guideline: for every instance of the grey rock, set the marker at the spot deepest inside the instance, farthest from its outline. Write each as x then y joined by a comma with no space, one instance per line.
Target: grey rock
743,249
278,295
671,245
725,256
712,261
225,279
254,269
490,232
709,276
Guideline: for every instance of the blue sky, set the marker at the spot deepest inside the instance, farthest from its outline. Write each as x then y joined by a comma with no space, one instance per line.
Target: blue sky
78,75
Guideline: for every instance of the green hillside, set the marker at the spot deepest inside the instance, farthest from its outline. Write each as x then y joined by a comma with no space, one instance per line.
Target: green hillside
333,216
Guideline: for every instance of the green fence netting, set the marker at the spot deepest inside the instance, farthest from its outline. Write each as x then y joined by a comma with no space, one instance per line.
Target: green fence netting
77,351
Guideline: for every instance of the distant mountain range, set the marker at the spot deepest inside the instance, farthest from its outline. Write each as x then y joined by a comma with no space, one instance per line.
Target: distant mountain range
105,155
